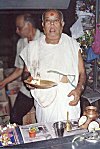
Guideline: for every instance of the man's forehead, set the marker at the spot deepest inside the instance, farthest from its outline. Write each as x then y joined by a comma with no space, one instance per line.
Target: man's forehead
20,18
52,15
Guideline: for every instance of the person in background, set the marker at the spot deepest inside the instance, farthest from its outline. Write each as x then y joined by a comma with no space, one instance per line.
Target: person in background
59,60
26,29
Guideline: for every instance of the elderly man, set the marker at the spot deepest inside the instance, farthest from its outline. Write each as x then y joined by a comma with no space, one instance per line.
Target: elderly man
26,29
59,60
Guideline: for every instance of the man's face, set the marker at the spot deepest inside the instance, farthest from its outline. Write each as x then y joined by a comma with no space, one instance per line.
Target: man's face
22,27
52,25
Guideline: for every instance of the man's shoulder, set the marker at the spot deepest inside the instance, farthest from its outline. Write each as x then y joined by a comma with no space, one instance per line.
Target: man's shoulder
67,37
22,40
38,34
33,43
37,41
64,35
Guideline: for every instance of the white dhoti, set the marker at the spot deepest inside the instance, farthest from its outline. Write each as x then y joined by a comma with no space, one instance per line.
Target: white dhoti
55,105
55,61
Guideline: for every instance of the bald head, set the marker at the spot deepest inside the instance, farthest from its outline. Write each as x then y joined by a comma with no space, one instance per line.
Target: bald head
25,26
26,18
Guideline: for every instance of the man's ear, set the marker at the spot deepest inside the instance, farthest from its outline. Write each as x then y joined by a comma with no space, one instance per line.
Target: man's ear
42,24
29,24
63,23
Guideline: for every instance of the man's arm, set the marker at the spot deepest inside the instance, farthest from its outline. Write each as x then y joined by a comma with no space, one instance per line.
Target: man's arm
17,73
81,83
82,74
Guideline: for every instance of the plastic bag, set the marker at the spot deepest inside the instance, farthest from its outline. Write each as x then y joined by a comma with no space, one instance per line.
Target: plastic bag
77,29
91,55
96,43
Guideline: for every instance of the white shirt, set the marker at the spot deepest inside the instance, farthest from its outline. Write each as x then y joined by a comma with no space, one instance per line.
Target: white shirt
19,62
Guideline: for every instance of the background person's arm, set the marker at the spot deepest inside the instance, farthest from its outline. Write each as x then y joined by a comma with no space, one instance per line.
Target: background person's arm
81,83
17,73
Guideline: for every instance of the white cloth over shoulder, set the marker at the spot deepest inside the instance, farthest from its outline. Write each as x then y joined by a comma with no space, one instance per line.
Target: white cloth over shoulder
55,60
22,43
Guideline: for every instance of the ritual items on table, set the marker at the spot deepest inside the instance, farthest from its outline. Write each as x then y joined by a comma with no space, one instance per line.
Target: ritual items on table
8,135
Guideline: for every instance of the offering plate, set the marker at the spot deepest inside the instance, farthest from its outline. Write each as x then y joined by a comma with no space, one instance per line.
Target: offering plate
44,84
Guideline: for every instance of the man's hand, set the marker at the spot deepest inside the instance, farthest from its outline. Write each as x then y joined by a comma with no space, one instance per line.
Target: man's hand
81,82
2,84
76,93
25,75
29,79
30,87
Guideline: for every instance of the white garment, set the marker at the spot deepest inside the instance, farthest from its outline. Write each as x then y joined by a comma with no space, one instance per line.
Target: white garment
19,62
54,60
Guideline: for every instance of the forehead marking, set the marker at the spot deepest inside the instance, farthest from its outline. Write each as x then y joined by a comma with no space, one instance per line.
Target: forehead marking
51,14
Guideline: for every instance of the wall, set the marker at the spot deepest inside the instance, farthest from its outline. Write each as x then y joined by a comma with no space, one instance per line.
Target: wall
32,4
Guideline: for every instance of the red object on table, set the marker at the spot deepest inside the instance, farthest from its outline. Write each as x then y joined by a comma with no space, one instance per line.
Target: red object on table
32,133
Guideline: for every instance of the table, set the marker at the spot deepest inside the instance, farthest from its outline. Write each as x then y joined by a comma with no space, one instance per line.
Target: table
59,143
65,142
